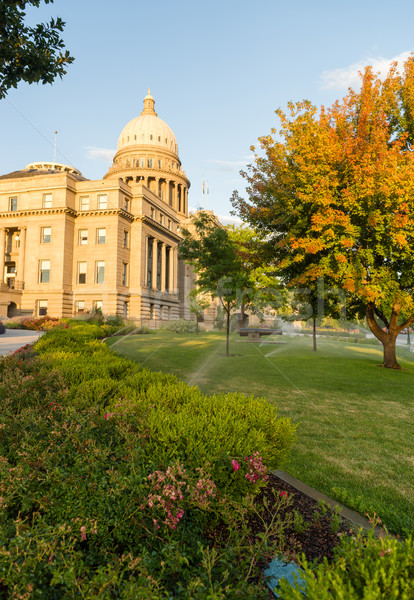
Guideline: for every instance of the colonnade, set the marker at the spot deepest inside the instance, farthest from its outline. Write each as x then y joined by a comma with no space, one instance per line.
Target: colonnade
173,193
161,266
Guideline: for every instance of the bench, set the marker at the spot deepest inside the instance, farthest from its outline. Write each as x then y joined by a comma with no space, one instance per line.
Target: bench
254,334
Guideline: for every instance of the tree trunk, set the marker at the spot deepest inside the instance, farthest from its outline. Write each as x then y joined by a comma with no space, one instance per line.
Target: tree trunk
196,324
314,334
387,338
390,357
227,331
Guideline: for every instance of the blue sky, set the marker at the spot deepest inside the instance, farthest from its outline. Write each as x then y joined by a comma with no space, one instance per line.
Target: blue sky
217,70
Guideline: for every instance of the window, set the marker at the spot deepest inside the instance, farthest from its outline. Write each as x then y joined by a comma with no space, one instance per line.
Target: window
169,223
83,237
44,271
161,219
150,163
101,236
82,272
42,308
98,305
80,306
159,138
47,200
102,201
142,162
151,137
100,271
45,235
124,274
125,239
13,203
152,213
84,202
159,164
127,204
125,310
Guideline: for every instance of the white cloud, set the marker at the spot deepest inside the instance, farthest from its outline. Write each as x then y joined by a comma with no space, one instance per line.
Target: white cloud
99,153
226,220
348,76
228,165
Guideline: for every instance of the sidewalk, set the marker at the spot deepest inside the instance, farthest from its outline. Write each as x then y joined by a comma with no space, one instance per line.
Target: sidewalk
14,339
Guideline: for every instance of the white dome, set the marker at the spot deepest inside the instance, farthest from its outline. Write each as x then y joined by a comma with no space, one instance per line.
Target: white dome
148,129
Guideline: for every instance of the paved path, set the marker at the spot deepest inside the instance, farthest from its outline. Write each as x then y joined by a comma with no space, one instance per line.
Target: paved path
16,338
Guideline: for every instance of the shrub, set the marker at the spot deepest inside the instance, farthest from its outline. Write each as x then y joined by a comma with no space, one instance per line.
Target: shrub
364,567
113,478
2,328
181,326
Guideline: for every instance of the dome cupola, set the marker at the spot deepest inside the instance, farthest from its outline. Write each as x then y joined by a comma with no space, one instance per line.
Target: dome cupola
148,129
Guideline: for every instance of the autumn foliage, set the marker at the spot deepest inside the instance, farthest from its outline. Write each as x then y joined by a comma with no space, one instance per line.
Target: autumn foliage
334,192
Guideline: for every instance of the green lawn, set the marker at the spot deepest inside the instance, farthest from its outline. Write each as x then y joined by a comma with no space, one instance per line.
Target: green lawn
355,420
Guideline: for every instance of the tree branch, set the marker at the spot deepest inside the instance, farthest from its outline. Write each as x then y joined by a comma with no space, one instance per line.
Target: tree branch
373,325
383,318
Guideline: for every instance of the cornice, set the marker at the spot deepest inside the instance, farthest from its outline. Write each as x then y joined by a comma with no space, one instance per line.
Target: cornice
69,211
156,225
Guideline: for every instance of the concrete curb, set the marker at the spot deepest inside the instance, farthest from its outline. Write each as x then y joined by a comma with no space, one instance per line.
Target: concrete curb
346,513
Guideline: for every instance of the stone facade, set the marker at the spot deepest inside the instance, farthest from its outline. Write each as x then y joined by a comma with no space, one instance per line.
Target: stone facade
71,244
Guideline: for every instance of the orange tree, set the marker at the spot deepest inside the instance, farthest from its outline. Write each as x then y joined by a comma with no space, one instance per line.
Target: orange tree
334,194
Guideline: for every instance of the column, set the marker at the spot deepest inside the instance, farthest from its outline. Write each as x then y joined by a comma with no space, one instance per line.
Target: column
22,254
154,264
2,250
171,274
163,267
174,195
175,271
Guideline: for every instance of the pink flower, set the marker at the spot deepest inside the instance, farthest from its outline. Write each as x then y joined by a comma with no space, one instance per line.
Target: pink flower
235,464
283,494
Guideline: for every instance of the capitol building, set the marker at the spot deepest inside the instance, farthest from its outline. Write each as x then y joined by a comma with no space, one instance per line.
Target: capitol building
70,244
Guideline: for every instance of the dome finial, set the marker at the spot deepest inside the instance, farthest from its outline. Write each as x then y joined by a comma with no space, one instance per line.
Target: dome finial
149,104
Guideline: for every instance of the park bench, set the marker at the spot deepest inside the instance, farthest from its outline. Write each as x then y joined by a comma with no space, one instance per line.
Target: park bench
255,333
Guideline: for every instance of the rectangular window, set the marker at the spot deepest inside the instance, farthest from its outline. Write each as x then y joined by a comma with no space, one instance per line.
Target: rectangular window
169,223
98,305
161,219
124,274
159,164
47,200
127,204
80,306
101,236
84,202
102,201
83,237
100,271
82,272
142,163
150,163
45,235
125,239
44,271
125,309
13,203
42,308
152,213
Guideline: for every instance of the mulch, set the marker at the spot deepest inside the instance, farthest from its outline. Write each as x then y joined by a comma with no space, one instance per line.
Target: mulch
316,534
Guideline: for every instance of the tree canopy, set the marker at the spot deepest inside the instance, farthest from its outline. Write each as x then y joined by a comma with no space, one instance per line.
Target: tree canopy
32,54
333,193
208,248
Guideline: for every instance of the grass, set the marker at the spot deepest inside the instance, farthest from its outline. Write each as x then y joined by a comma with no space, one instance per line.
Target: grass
355,420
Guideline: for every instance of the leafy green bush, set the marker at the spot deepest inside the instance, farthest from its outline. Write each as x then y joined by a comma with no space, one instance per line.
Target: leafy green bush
181,326
113,479
365,568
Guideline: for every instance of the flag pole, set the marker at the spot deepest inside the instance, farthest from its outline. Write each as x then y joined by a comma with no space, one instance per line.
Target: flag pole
54,151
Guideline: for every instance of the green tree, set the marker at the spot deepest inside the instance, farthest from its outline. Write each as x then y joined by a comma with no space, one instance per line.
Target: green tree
334,195
31,54
219,269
